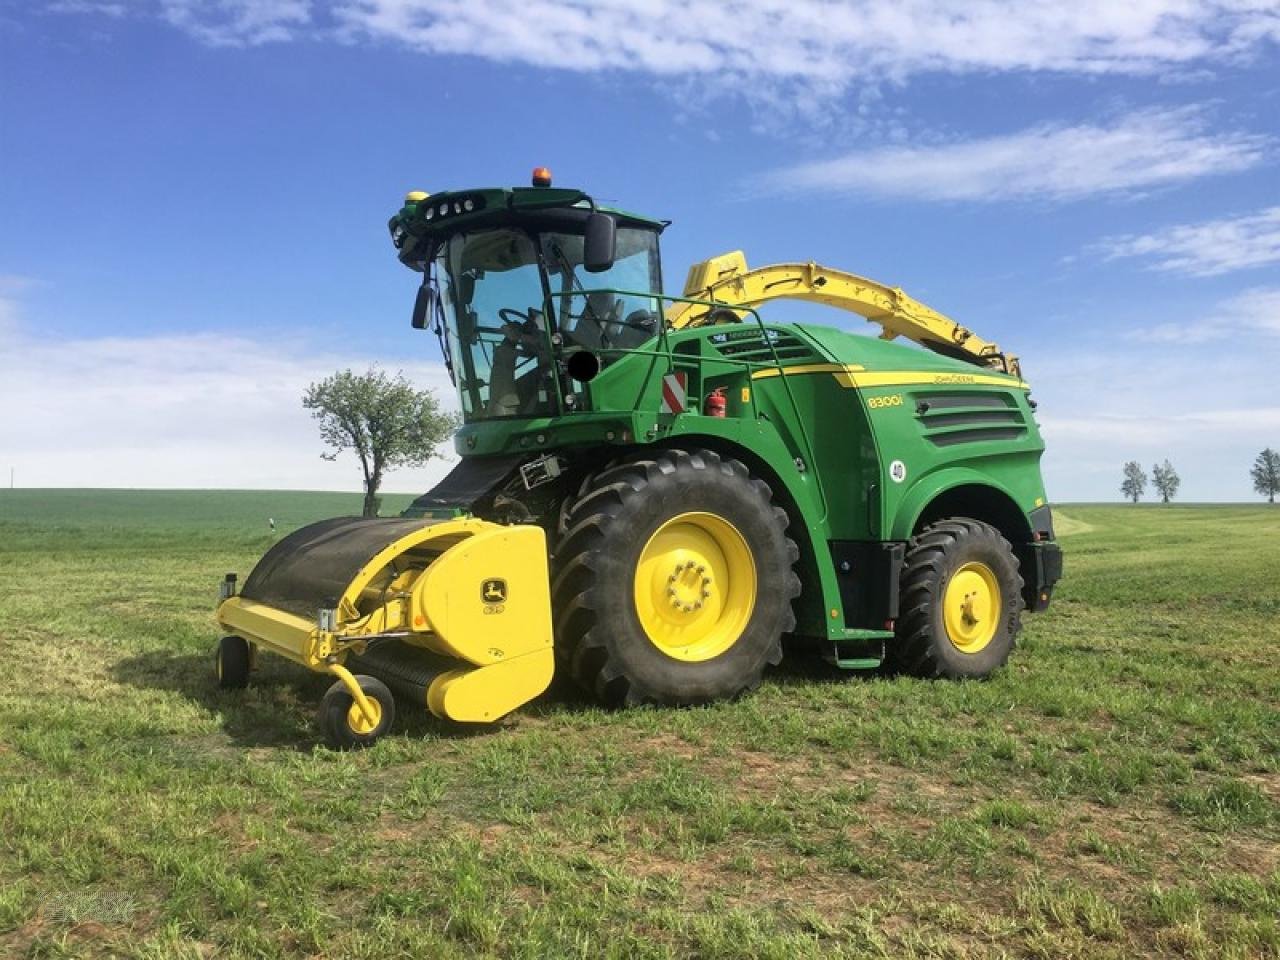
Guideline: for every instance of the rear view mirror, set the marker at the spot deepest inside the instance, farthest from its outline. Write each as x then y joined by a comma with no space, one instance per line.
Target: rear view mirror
423,307
599,243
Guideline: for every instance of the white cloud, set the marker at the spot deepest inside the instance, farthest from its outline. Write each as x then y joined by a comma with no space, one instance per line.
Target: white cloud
1139,151
1204,249
224,23
826,45
194,410
1247,316
101,7
824,41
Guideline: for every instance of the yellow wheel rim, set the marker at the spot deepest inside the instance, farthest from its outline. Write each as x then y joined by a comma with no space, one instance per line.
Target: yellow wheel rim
971,607
695,586
359,723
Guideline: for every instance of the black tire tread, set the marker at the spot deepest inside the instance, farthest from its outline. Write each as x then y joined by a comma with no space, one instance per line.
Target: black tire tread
584,524
235,660
915,649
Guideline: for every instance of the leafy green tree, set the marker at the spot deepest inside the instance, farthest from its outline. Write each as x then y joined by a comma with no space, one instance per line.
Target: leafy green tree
1266,474
1166,480
1135,481
387,421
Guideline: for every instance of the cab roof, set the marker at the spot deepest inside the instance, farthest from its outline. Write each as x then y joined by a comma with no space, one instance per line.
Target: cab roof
428,218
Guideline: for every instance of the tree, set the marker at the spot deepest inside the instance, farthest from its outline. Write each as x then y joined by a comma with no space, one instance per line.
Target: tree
1266,474
385,420
1135,481
1166,480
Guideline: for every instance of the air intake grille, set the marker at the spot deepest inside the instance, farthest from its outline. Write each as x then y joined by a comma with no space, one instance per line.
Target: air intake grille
753,346
953,418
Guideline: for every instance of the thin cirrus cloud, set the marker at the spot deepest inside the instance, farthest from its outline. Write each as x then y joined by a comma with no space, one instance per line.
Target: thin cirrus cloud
236,23
825,44
1131,154
1205,249
1247,316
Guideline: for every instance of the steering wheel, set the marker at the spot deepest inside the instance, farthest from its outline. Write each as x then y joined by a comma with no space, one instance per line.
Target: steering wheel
524,317
527,327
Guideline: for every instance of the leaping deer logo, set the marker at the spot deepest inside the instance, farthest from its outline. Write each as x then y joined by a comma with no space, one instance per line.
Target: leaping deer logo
494,591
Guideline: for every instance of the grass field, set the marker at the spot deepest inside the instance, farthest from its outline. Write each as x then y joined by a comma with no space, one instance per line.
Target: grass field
1115,792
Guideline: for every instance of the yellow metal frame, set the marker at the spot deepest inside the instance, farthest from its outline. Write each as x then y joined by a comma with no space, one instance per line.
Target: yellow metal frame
483,599
726,279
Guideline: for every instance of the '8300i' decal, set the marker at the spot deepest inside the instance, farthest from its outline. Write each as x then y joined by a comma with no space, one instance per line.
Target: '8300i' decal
878,403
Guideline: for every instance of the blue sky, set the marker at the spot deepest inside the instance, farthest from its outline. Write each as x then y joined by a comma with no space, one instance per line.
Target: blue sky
193,198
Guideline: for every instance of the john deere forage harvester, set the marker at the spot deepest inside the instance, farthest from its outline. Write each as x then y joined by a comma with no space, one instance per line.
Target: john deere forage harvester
655,491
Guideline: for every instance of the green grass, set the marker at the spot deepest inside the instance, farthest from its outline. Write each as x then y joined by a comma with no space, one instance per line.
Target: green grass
1115,792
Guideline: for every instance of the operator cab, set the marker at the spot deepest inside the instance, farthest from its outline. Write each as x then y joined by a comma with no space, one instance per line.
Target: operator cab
518,286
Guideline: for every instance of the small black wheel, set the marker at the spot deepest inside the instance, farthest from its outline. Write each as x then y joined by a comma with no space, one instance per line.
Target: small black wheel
232,663
344,724
961,602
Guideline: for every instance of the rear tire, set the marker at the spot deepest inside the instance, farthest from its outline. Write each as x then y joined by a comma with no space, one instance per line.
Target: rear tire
674,581
344,724
961,602
232,663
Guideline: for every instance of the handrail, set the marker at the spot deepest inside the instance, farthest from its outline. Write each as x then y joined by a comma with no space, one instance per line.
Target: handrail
666,353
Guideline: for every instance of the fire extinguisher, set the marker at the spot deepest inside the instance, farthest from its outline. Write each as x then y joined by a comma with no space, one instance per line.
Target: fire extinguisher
715,405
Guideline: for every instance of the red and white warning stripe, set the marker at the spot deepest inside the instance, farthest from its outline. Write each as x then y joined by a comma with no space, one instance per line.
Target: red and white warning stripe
674,389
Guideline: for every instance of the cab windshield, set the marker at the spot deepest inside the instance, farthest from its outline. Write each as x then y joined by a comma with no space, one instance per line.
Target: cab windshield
515,302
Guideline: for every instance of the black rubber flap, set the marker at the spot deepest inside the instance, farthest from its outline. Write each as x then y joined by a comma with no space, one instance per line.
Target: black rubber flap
471,479
312,567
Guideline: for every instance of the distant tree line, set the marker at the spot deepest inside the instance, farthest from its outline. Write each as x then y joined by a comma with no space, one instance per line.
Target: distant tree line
1265,472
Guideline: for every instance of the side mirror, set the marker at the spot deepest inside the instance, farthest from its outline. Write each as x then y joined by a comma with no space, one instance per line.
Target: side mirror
423,307
599,243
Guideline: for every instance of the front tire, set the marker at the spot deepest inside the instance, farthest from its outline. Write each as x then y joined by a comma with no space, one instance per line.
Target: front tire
961,602
674,581
343,723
